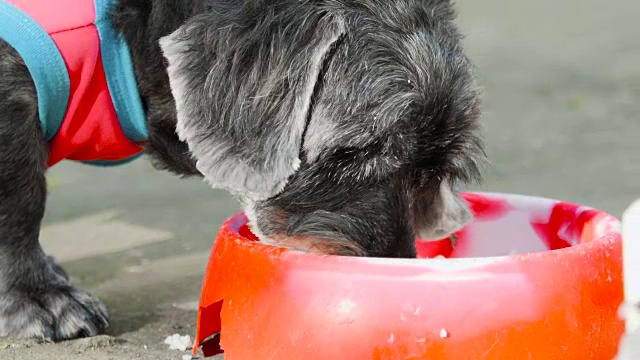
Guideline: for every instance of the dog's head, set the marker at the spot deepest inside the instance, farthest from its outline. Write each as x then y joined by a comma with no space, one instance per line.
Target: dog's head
343,126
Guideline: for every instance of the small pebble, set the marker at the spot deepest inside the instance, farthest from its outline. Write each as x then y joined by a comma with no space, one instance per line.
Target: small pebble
177,342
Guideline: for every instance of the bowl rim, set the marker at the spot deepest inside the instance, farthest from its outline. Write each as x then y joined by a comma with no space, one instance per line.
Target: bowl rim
232,227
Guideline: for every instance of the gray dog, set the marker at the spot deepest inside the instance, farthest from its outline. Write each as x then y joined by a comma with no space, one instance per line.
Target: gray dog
341,126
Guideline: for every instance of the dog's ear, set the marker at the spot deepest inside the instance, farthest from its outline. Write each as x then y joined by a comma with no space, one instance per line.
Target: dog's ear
439,212
243,82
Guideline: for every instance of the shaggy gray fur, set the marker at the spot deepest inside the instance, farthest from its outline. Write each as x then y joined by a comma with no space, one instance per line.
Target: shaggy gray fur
342,126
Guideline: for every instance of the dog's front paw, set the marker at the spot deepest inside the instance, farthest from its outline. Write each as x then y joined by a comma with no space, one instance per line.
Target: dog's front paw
51,310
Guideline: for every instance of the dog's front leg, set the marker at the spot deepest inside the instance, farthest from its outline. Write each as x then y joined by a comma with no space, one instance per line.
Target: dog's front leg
36,297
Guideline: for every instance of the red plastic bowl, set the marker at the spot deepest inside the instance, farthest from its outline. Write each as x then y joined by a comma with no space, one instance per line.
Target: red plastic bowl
531,278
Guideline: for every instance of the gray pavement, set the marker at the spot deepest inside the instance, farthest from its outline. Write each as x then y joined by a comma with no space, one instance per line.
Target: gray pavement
561,115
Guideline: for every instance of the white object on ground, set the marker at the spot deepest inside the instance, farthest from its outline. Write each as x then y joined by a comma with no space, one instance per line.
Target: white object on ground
178,342
187,357
630,345
631,256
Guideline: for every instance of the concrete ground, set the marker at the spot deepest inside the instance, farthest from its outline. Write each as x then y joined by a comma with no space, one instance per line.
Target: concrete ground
562,84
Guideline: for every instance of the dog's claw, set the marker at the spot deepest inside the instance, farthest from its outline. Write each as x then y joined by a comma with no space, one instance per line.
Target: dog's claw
48,334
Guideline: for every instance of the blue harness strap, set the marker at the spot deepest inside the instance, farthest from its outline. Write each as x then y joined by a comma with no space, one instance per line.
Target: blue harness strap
121,79
44,62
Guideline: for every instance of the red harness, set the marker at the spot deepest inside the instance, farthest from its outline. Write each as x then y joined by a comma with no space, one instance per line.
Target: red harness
103,120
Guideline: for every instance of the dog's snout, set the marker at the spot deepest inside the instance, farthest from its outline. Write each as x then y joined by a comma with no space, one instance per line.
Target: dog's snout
317,215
